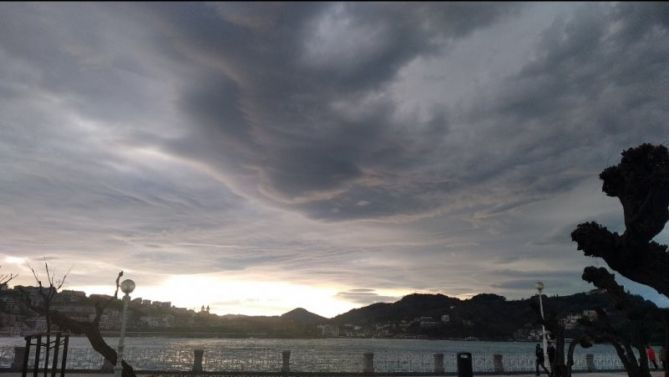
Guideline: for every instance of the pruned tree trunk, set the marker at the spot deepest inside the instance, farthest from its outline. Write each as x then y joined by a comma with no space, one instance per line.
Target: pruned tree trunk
90,329
641,182
92,332
665,361
570,356
561,365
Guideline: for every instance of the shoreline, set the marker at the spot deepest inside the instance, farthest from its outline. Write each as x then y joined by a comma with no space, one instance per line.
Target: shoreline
8,373
210,335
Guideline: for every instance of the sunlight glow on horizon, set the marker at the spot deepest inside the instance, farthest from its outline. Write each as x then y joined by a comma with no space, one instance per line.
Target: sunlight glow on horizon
238,296
15,260
343,155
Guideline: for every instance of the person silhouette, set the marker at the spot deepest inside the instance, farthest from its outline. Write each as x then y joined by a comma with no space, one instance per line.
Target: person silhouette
551,355
539,353
651,356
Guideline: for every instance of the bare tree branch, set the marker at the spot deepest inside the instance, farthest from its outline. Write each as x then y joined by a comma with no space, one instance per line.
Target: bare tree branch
6,278
641,182
101,306
90,329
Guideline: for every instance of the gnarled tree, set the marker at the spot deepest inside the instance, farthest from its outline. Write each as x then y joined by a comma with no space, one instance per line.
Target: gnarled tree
641,182
90,329
564,361
636,329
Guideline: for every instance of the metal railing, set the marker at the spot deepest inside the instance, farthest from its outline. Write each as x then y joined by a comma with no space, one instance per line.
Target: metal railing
269,360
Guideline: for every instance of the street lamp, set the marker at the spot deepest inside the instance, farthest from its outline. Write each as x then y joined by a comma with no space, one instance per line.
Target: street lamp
127,286
540,288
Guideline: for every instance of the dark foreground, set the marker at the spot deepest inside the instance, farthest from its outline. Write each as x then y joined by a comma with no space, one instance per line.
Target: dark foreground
292,374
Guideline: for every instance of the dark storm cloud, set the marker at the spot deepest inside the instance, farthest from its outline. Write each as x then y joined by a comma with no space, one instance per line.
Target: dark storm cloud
585,81
66,52
526,284
301,121
386,146
525,281
573,105
612,220
364,296
314,129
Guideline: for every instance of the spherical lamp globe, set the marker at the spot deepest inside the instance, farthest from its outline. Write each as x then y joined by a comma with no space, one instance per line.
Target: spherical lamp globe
127,286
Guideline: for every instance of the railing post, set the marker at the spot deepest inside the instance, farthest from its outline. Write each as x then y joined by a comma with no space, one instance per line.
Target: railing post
56,348
19,354
38,347
285,356
368,362
47,352
24,367
439,363
107,366
464,360
63,365
197,360
590,362
498,363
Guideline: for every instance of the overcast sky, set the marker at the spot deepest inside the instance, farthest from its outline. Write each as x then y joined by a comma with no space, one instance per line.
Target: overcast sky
258,157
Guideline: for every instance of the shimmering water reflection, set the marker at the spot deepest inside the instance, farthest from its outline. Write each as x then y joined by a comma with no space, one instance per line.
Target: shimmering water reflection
328,355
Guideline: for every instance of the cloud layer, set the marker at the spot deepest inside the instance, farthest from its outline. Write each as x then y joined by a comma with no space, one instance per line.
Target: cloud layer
373,149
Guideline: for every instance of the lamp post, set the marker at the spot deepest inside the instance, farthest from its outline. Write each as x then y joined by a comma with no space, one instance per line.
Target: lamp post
127,286
540,288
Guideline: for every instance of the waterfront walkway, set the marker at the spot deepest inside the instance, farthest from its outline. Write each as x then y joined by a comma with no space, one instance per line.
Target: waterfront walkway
577,374
608,374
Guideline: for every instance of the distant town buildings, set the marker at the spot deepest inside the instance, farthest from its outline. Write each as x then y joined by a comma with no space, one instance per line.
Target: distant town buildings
590,314
428,323
153,316
16,317
163,321
328,330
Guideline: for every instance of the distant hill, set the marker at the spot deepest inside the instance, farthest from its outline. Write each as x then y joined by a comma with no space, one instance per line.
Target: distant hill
407,308
233,316
485,316
436,316
303,317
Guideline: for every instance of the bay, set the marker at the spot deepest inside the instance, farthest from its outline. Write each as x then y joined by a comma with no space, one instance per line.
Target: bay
322,355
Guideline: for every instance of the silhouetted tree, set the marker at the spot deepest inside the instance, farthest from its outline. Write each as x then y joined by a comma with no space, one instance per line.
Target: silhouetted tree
641,183
4,283
636,329
46,295
5,279
91,329
564,361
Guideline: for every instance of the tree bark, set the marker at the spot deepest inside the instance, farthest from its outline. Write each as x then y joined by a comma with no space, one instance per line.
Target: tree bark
665,361
603,279
644,263
92,332
641,182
